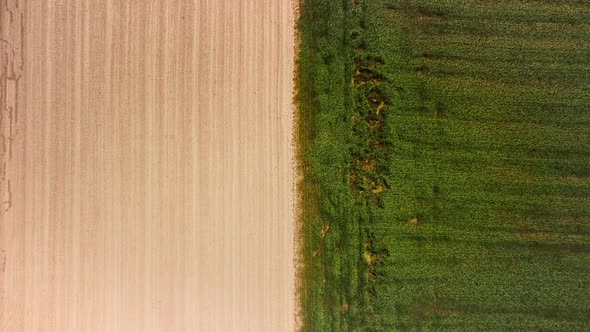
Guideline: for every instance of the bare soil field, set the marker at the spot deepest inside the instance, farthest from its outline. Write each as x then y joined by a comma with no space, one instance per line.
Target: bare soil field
146,177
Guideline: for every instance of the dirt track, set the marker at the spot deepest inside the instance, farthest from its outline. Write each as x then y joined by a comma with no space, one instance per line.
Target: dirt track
146,177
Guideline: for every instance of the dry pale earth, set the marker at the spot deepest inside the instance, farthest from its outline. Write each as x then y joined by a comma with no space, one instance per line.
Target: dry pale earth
146,177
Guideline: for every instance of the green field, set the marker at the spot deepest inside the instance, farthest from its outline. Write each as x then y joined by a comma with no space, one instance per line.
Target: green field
445,152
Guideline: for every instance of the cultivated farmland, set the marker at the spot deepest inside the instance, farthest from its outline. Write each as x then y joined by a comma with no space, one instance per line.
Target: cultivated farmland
146,179
446,161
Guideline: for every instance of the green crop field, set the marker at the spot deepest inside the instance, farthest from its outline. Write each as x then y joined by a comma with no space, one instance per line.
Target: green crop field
445,153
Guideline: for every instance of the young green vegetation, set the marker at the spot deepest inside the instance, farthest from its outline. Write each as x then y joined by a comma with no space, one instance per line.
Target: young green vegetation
445,153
